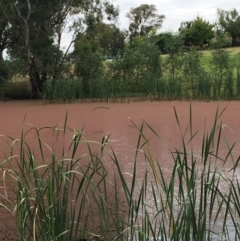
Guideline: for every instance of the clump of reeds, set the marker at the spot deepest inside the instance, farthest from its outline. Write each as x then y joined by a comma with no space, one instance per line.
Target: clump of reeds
72,194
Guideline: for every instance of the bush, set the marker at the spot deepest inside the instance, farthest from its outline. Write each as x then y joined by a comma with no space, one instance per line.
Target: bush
16,90
139,69
63,90
4,73
88,64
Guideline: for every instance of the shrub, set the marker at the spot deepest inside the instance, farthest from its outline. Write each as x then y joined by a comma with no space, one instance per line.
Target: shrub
16,90
4,73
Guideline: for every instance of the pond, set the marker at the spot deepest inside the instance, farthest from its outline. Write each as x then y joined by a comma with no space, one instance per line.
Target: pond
163,128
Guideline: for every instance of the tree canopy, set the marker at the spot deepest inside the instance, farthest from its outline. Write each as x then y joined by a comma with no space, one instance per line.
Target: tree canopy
6,13
110,38
144,19
229,21
197,32
36,29
32,32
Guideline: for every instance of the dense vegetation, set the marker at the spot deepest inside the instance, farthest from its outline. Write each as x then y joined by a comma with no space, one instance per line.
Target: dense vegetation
31,32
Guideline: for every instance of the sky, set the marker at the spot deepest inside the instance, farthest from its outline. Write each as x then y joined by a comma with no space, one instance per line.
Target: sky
177,11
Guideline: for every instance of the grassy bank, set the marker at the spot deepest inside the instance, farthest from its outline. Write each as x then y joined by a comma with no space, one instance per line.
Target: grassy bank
206,57
75,196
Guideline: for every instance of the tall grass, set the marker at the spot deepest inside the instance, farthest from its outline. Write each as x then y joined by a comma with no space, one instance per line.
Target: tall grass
139,73
63,90
72,194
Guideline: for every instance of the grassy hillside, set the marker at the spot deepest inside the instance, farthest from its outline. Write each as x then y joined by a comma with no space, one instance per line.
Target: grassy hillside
207,56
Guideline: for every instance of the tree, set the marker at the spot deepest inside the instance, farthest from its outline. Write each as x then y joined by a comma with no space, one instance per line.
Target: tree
34,39
138,70
185,32
174,60
143,20
192,67
197,32
229,21
4,72
221,40
110,38
39,30
163,40
88,61
6,13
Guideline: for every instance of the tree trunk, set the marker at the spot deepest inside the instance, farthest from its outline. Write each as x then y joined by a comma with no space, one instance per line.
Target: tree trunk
33,79
37,82
1,52
42,82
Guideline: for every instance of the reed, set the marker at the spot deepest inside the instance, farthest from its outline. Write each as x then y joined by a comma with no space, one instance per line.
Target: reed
74,196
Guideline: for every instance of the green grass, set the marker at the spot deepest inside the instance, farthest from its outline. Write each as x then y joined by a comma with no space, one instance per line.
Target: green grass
206,61
207,57
74,196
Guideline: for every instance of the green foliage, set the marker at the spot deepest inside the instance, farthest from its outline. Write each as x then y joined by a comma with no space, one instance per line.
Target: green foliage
201,75
196,33
203,86
6,15
88,62
139,69
229,21
143,20
110,37
63,90
16,90
4,73
236,60
173,62
220,40
191,62
192,66
52,197
238,83
165,41
36,31
222,66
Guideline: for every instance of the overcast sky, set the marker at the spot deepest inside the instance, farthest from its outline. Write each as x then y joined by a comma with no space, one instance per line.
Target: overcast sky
177,11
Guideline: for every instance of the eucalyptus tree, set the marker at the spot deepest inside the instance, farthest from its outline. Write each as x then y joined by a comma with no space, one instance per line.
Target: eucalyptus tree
6,37
6,15
111,38
39,31
143,20
185,31
174,60
229,21
163,40
88,58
